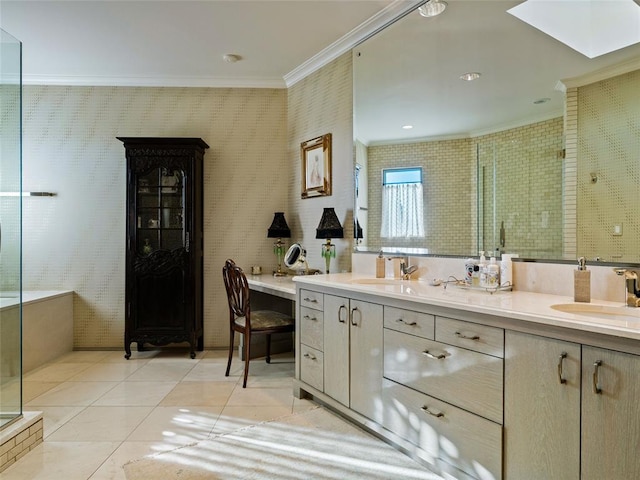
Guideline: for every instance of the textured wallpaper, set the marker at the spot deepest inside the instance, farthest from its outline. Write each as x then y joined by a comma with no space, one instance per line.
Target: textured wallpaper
608,177
76,240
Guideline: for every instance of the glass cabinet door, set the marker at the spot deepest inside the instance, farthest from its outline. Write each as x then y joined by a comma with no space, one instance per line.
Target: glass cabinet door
160,211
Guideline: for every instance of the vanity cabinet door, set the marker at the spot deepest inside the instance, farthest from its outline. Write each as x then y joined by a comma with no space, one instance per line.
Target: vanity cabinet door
353,353
366,358
541,408
336,348
610,414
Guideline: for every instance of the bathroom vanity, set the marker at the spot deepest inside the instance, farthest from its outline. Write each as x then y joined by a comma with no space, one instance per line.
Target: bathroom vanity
477,385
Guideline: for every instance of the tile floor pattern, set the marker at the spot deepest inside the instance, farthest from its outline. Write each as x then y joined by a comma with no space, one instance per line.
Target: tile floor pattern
101,411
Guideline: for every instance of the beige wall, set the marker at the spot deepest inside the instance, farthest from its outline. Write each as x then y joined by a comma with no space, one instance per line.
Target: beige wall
319,104
76,240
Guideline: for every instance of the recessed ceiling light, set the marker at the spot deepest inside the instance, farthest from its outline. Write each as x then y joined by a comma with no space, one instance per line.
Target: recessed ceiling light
432,8
541,100
470,76
407,127
231,58
591,27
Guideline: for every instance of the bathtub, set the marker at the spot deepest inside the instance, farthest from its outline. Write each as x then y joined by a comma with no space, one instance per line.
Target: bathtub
47,327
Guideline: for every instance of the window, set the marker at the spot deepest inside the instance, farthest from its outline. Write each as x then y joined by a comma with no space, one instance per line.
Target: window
402,203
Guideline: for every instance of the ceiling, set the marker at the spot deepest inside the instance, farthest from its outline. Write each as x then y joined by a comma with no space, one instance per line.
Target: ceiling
182,42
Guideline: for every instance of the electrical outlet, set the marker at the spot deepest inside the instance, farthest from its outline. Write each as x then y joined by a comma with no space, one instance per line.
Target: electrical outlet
617,230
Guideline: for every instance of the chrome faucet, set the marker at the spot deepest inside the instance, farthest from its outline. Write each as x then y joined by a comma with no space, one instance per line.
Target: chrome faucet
631,285
405,269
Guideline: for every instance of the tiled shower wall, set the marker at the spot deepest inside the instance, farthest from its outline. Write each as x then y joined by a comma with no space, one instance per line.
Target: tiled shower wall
528,167
608,178
76,240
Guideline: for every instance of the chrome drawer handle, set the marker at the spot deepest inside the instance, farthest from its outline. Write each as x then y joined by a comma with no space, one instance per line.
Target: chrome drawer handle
425,409
442,356
310,318
467,337
596,366
353,322
563,355
312,300
340,310
410,324
310,356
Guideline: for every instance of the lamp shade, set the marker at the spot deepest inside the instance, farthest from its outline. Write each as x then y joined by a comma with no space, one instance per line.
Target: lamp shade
357,230
329,226
279,227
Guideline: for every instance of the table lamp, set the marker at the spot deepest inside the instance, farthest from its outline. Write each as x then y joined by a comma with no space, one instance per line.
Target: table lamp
329,228
279,229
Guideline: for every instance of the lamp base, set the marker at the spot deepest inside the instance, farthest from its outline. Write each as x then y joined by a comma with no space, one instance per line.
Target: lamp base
279,274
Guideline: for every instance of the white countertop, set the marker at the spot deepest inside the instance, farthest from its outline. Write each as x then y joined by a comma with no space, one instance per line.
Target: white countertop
527,306
279,286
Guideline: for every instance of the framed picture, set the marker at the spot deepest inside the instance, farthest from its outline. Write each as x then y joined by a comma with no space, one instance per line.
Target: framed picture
316,166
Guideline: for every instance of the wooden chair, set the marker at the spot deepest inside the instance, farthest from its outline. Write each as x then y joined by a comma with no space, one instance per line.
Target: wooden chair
246,322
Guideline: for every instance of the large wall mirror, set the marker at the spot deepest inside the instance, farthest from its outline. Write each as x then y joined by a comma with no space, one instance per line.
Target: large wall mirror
538,156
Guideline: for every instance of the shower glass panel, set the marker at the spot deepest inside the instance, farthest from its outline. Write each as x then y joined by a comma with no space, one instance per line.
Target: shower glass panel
10,229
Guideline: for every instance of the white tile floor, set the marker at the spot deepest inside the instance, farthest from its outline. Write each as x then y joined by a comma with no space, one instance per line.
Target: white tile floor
101,411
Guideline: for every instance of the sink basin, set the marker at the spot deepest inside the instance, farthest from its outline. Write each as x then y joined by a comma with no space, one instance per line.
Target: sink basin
592,310
382,281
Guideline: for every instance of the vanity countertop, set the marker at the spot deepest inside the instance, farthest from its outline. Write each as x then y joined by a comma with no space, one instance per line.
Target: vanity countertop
278,286
520,305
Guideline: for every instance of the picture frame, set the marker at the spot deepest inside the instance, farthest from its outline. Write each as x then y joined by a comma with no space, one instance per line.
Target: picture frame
316,166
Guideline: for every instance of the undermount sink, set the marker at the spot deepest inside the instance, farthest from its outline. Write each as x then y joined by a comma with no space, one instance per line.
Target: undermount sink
593,310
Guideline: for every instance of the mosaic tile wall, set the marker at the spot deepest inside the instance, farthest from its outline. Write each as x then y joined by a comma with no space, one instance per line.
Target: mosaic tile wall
76,240
449,200
528,189
322,103
609,150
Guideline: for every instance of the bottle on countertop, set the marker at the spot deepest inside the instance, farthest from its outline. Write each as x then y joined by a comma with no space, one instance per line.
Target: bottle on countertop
582,282
482,265
380,268
493,273
469,263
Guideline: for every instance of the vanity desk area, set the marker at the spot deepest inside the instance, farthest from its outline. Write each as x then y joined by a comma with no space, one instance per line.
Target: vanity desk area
507,385
271,293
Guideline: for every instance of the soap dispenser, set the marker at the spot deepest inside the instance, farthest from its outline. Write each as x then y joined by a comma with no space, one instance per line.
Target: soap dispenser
380,268
582,282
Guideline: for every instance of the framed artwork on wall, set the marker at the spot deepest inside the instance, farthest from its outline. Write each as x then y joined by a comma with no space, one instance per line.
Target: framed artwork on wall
316,166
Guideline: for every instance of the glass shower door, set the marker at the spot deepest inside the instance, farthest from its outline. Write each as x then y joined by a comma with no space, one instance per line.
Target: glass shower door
10,229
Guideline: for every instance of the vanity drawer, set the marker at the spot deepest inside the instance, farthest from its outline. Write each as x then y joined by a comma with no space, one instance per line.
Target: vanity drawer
408,321
426,422
312,327
311,371
483,339
467,379
311,299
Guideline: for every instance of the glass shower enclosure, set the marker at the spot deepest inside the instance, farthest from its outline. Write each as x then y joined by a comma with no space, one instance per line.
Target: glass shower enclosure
10,229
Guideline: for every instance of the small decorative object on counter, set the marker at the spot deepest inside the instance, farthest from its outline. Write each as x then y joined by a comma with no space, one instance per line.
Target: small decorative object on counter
506,269
380,268
493,273
582,282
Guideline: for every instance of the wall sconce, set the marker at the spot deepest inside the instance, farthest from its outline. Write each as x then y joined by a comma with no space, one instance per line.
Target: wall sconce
329,228
279,229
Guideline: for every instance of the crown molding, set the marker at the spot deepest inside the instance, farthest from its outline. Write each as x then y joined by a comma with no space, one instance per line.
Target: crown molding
154,81
599,75
392,12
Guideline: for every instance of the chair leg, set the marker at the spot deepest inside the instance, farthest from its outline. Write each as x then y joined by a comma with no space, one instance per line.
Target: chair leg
247,357
268,347
230,352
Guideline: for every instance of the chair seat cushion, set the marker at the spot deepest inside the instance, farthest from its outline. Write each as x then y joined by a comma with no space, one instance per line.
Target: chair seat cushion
267,319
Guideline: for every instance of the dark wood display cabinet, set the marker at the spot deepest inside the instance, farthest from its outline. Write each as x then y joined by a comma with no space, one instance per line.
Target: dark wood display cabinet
163,299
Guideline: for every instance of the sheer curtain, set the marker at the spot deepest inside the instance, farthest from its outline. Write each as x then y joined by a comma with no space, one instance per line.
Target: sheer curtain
402,210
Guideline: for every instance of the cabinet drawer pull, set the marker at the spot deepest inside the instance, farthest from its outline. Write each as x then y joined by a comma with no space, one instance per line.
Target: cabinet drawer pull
596,366
442,356
353,322
467,337
563,355
425,409
307,317
312,300
410,324
340,310
310,356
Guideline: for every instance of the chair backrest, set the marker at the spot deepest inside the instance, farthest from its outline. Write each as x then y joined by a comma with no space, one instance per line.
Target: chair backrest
237,287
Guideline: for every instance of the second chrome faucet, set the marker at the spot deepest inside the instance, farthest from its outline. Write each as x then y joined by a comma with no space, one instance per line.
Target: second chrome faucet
631,286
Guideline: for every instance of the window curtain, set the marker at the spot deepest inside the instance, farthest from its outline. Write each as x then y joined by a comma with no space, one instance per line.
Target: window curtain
402,211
